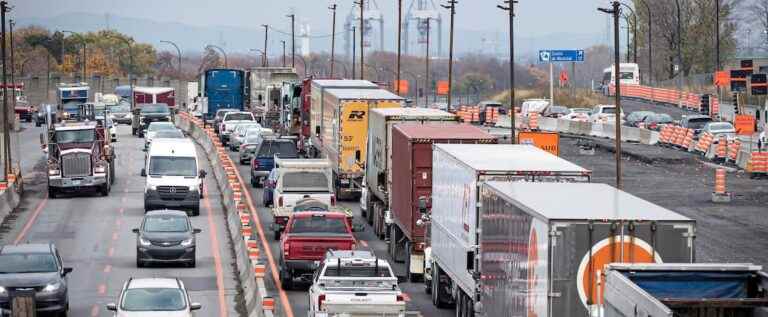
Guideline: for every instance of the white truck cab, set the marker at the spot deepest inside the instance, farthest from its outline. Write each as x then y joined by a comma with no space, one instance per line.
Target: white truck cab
174,177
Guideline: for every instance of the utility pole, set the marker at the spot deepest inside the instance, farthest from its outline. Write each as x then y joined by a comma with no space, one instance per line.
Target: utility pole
616,11
11,23
451,6
293,40
283,52
266,37
361,3
354,57
717,35
6,129
510,8
333,36
428,85
399,42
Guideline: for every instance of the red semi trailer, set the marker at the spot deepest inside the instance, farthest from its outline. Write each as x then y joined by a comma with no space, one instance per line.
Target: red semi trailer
166,95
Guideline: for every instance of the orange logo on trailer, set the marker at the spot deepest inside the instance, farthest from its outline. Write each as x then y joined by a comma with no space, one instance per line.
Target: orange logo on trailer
609,250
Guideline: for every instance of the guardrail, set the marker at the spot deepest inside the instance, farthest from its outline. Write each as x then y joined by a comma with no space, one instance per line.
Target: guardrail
240,221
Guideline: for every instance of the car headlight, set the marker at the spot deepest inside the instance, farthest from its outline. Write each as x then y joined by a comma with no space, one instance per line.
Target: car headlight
51,287
54,172
144,242
100,169
152,187
187,242
3,292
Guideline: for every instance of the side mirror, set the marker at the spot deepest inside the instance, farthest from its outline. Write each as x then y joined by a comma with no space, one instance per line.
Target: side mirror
470,261
357,156
67,270
112,307
135,230
195,306
423,205
143,172
196,231
202,173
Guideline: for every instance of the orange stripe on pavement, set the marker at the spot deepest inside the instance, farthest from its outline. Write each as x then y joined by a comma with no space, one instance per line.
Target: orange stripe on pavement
111,251
94,310
102,289
31,220
212,232
107,268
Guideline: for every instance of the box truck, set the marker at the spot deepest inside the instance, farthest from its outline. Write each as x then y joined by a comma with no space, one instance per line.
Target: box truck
411,180
540,249
224,89
345,133
685,290
314,97
378,172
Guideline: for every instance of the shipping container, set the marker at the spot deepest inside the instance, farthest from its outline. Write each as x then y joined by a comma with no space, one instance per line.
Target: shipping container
540,249
685,290
345,132
378,176
411,179
315,96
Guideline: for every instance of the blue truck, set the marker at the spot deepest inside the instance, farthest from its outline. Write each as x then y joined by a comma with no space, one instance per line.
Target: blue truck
71,96
224,89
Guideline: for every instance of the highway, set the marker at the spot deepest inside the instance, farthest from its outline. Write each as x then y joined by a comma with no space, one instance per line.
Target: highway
93,233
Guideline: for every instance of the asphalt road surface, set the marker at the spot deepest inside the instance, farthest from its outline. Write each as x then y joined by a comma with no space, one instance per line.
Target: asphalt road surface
93,233
295,302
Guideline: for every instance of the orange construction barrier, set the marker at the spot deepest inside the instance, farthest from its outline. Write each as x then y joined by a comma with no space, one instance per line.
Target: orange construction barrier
758,163
679,136
666,134
733,150
722,148
720,181
533,121
688,141
475,114
705,141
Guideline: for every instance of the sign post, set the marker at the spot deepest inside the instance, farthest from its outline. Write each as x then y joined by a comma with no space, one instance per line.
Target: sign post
553,56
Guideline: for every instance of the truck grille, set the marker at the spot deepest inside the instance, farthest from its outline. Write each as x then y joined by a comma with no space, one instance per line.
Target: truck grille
76,164
172,192
165,243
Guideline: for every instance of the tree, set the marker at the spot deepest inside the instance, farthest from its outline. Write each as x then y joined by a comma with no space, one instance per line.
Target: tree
475,83
759,12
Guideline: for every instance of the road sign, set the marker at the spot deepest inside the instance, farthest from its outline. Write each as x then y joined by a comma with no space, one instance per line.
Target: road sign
549,56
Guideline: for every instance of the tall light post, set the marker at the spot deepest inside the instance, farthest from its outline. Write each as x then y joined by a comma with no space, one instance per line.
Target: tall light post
354,48
333,37
634,31
361,3
452,7
266,37
717,35
283,52
178,51
616,11
293,39
131,68
510,8
426,71
399,43
226,65
85,55
6,128
261,54
679,54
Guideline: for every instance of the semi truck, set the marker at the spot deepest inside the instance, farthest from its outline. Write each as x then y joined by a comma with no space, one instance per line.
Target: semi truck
315,106
540,249
378,173
70,97
224,89
267,93
345,133
685,290
411,180
143,95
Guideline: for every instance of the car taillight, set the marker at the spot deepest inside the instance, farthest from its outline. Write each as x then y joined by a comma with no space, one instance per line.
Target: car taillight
280,201
353,246
320,300
286,249
400,298
255,164
333,200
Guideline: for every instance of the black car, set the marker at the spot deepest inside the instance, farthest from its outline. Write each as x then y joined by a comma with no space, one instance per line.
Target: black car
34,270
264,158
166,236
145,114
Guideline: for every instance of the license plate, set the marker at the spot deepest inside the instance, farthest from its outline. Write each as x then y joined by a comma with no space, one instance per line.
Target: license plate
76,182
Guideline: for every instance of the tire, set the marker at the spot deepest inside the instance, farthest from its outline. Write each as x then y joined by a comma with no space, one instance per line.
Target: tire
286,280
427,285
393,242
52,193
38,124
133,131
253,182
277,235
104,191
438,291
407,263
139,262
194,260
141,134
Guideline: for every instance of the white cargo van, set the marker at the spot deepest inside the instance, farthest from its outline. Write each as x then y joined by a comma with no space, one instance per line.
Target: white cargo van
174,179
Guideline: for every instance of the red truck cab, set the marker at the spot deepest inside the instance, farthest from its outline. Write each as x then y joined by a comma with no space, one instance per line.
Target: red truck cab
307,236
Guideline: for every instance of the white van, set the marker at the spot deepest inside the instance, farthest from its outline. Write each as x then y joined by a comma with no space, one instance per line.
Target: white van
174,177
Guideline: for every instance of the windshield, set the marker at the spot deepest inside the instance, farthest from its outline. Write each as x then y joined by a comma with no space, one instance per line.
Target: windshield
698,123
659,118
281,149
169,134
638,115
238,116
609,110
122,107
153,299
160,126
305,181
71,106
720,126
627,75
27,263
358,271
155,109
165,224
172,166
318,224
75,136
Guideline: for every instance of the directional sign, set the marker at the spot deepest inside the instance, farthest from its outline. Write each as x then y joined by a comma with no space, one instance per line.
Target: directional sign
549,56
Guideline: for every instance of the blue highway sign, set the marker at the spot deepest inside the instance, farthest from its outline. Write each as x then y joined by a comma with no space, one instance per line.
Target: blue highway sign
549,56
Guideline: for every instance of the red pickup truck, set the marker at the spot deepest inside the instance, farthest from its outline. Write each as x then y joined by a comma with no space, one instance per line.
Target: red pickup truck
307,236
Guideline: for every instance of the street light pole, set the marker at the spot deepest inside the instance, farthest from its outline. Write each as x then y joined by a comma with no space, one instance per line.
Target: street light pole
451,6
6,129
333,37
354,57
634,31
399,42
361,3
283,52
616,11
510,8
717,35
266,37
293,39
178,50
650,40
428,84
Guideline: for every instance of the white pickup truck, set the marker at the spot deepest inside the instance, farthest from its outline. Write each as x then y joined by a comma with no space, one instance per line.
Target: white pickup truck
355,283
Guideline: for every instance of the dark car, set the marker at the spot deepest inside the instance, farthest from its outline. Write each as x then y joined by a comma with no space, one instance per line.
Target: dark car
145,114
657,120
166,236
556,111
635,118
42,114
264,160
34,270
695,122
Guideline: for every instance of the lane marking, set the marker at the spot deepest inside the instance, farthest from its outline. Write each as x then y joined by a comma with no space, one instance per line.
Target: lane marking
94,310
102,289
265,245
31,219
111,252
212,233
107,268
114,236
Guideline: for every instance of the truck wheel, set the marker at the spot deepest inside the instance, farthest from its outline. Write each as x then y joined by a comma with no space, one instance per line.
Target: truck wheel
37,123
196,211
133,131
277,235
412,277
286,279
253,182
51,193
439,292
104,191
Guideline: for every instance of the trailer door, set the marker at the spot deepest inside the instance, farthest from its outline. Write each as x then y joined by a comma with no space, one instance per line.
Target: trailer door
580,250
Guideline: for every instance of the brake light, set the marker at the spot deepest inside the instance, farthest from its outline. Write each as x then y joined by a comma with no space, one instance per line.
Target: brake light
400,298
320,300
333,200
287,249
255,164
280,201
353,247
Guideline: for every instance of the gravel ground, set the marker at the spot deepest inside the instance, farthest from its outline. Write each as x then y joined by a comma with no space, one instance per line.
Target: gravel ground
730,232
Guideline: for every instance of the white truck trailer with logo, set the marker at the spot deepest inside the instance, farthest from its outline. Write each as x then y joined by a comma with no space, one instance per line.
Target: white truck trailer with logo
540,249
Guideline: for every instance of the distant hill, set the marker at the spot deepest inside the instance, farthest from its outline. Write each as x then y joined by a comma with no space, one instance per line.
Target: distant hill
193,38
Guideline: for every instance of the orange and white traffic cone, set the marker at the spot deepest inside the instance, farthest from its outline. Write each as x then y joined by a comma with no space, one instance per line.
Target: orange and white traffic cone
721,194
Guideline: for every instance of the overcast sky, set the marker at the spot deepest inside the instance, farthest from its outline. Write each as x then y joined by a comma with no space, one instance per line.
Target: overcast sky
536,17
